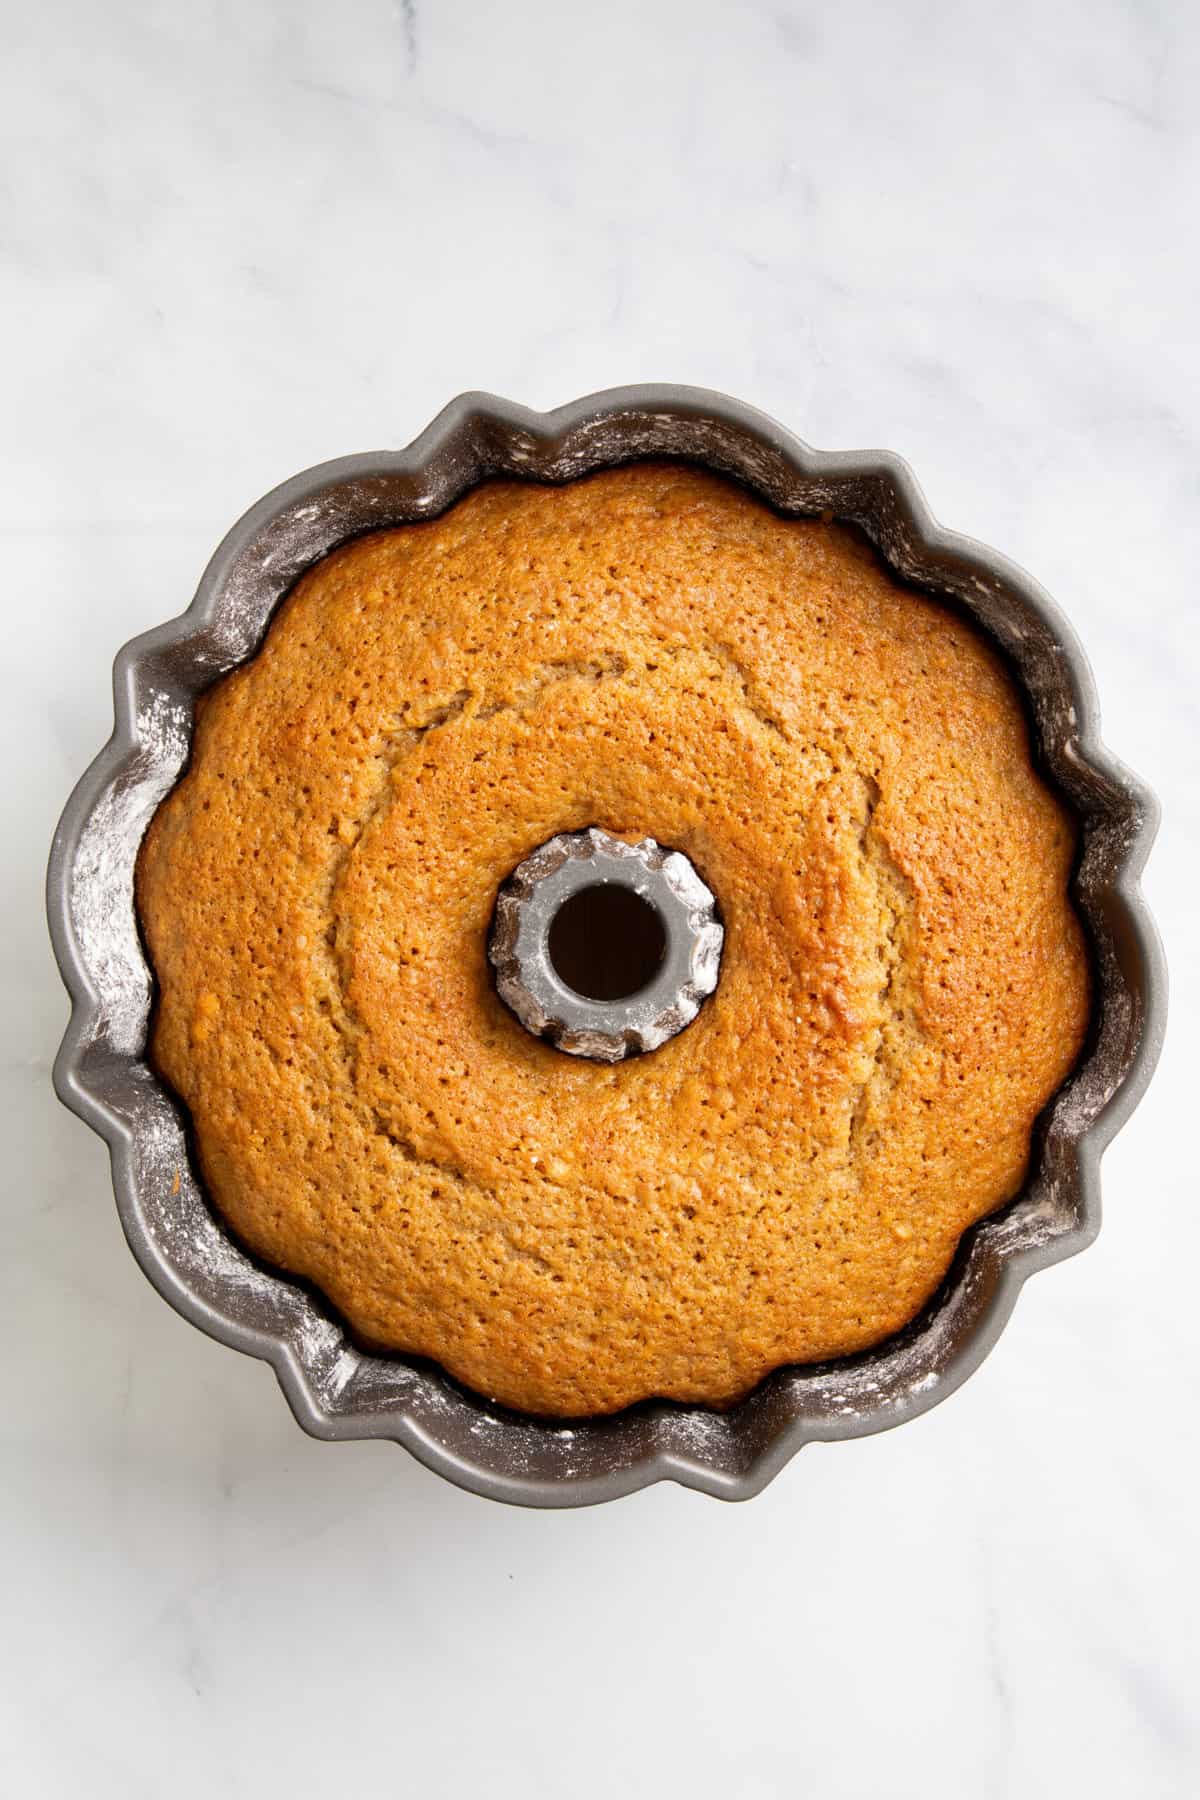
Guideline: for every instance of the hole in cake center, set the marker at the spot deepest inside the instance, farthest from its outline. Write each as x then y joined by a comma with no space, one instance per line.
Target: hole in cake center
606,942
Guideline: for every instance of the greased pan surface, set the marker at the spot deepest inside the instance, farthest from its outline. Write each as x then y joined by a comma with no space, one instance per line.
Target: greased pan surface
337,1390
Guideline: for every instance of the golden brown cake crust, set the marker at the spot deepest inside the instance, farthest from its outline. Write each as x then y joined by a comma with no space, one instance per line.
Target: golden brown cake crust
653,651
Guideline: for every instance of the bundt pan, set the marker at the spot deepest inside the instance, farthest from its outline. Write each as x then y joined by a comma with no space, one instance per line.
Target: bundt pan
336,1389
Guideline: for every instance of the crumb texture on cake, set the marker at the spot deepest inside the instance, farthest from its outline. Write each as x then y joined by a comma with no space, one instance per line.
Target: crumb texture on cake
653,651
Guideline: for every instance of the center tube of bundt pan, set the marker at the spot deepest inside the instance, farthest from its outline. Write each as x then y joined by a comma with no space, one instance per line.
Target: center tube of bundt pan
605,948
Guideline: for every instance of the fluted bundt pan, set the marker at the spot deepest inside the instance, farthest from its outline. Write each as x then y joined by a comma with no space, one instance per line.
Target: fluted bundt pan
336,1389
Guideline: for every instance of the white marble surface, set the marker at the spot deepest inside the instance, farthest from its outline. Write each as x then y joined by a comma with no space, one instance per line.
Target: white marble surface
238,239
